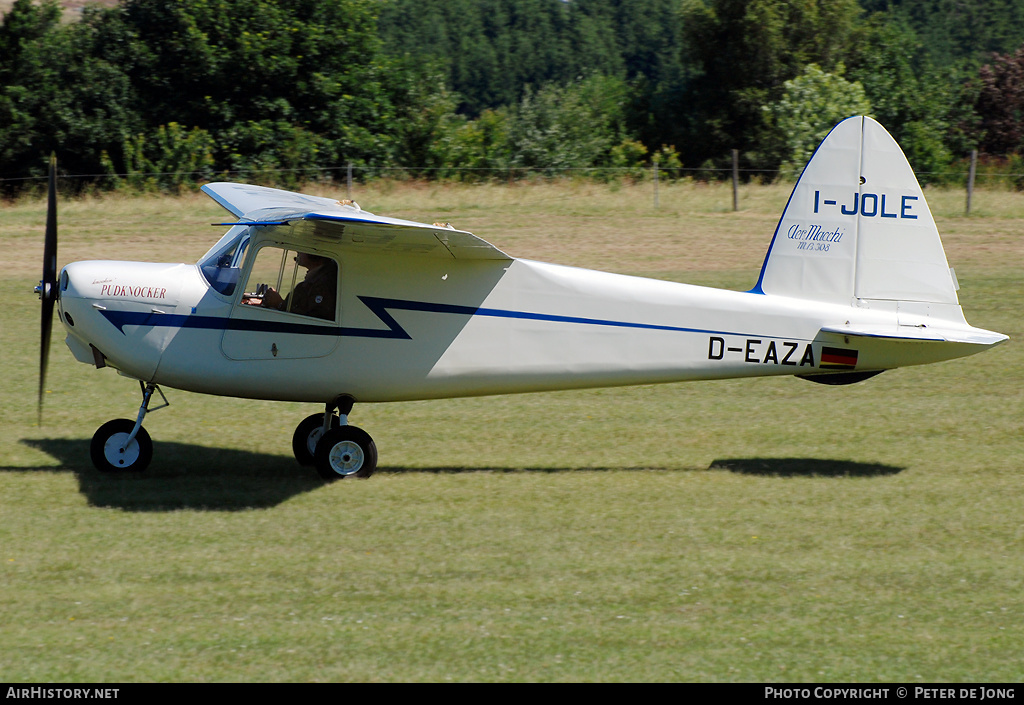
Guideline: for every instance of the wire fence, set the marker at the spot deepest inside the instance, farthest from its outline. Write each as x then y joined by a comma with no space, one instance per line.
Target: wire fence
655,174
513,172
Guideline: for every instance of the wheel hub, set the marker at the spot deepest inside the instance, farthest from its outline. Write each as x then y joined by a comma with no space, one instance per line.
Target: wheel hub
346,458
117,454
312,439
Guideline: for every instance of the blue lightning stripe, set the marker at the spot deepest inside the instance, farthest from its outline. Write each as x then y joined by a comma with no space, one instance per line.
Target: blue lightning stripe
380,307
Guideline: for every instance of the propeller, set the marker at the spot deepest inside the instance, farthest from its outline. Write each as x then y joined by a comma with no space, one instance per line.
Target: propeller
47,288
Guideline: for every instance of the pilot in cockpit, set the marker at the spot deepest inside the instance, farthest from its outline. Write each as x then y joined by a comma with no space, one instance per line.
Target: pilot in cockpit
314,296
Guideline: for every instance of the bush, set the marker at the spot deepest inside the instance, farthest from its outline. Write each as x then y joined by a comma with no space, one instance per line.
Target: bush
171,160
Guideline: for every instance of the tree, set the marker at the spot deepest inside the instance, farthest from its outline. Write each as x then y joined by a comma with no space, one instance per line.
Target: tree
241,68
811,105
25,23
957,31
491,50
743,52
1000,104
917,101
425,117
568,126
61,92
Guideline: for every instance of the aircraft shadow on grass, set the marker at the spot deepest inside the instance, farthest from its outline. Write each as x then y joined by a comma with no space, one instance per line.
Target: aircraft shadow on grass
186,477
197,477
804,467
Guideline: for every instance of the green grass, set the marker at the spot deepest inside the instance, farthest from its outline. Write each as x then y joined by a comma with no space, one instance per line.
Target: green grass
746,530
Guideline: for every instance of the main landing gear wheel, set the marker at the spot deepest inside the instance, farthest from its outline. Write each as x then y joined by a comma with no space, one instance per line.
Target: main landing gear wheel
345,451
110,453
308,435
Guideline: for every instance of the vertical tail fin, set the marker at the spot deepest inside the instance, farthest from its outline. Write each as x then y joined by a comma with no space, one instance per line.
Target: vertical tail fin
857,228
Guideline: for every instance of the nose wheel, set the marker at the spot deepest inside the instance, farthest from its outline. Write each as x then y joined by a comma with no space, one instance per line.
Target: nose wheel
124,445
113,449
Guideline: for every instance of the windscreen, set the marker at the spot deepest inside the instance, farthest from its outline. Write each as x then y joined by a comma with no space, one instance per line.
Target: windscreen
222,264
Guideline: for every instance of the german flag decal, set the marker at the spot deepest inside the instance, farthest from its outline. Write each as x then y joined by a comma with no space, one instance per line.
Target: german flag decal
838,358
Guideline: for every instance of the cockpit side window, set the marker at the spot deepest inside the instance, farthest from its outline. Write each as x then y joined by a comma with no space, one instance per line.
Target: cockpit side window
293,281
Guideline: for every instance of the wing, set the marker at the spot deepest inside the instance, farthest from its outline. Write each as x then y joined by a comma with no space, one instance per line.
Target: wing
345,225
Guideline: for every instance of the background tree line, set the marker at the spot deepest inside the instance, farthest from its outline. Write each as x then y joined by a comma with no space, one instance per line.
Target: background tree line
152,93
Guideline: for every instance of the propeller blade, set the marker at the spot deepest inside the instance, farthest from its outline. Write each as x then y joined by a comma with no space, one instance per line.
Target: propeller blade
48,286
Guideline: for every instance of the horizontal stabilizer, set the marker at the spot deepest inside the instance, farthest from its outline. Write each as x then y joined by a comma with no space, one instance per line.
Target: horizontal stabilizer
969,334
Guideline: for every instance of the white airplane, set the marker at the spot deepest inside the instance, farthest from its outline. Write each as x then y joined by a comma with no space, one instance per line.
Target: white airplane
309,299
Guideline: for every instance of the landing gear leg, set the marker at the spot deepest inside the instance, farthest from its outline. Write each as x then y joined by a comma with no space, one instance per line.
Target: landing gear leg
343,450
310,431
122,444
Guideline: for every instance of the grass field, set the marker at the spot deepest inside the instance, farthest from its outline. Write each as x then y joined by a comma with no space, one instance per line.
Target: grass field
750,530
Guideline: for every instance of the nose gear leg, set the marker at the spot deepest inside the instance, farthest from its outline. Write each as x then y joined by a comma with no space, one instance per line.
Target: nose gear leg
147,395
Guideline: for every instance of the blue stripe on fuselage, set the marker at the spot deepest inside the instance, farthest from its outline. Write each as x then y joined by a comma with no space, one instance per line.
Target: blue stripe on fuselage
380,307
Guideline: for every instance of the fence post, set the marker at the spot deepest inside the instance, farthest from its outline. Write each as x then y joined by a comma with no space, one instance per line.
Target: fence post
348,180
735,180
970,178
654,167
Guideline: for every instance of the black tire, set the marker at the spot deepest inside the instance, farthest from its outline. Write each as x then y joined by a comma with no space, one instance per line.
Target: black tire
109,454
346,451
307,436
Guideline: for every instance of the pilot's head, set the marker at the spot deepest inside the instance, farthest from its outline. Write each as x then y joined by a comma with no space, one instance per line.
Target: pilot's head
311,261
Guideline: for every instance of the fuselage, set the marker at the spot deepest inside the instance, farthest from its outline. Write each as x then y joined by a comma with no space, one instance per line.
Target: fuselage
417,327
